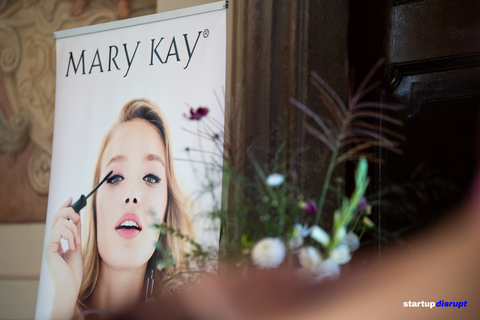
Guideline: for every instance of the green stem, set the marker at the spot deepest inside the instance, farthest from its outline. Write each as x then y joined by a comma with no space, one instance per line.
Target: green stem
282,219
326,183
361,234
356,221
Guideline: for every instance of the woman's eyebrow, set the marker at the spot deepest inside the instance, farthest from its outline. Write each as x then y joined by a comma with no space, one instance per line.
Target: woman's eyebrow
119,158
154,157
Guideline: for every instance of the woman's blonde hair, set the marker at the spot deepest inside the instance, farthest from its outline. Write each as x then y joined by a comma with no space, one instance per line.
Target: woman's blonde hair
176,213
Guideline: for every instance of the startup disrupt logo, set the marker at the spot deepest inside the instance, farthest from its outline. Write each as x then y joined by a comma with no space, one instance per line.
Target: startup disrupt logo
160,52
432,304
442,303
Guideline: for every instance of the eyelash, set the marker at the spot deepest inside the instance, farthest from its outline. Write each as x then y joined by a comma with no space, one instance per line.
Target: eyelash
155,178
117,178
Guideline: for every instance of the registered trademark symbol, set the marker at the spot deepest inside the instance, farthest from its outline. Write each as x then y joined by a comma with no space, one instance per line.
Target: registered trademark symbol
206,33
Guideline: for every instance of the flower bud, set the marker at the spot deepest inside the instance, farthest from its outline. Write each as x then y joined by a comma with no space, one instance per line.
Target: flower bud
362,206
319,235
311,207
369,223
341,234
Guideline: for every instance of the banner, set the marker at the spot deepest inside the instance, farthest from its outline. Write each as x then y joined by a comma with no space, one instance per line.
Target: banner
127,100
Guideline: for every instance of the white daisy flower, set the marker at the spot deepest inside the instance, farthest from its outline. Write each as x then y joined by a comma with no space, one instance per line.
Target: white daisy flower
268,253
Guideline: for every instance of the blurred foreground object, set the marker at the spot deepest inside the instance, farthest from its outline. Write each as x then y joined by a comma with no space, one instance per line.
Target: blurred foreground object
442,264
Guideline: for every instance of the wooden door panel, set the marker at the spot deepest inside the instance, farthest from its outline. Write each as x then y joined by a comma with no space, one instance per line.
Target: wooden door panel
432,54
440,124
433,28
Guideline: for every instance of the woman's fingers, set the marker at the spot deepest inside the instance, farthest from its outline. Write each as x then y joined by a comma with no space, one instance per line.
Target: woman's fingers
66,203
75,217
67,234
58,233
71,236
66,224
66,213
73,228
79,229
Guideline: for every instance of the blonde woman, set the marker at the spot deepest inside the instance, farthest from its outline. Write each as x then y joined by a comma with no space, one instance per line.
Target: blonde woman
105,268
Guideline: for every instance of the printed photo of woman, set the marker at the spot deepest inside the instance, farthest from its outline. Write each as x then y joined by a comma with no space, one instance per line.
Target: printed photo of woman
112,251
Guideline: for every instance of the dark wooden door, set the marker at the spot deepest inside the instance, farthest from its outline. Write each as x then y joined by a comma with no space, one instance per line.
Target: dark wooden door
432,52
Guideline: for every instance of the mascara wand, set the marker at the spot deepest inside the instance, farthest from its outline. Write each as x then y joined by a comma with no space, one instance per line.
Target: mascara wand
82,201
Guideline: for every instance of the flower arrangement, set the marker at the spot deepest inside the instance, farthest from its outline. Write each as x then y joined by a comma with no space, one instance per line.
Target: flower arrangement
270,223
319,253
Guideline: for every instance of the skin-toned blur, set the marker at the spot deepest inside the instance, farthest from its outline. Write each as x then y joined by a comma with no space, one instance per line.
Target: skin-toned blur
440,263
136,190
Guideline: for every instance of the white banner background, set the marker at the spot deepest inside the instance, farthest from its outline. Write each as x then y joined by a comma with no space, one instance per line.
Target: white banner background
87,104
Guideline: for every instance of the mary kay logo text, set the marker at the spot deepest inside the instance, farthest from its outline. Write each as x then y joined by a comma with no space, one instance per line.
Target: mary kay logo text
121,57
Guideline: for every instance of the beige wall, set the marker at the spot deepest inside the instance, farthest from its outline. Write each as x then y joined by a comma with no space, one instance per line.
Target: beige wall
21,247
168,5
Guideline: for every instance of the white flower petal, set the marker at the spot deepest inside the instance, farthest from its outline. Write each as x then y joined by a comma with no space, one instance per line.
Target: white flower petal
320,235
352,241
310,259
341,233
328,269
305,230
341,254
275,179
268,253
295,242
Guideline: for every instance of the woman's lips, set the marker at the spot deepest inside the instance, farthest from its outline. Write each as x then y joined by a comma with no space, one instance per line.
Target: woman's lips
129,233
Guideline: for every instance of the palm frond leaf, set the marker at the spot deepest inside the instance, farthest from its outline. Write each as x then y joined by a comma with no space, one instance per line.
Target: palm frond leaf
360,91
372,114
315,117
330,91
384,106
385,141
320,136
372,127
332,106
352,130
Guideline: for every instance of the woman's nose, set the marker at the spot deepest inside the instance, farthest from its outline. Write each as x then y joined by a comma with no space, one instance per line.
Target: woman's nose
133,197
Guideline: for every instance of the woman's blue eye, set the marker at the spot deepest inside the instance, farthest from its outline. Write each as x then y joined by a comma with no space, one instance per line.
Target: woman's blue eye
114,179
151,178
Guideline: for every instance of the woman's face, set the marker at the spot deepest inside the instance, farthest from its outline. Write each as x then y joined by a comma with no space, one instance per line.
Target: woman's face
134,197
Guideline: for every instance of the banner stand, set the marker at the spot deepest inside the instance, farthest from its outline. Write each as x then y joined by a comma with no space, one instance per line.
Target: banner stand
127,98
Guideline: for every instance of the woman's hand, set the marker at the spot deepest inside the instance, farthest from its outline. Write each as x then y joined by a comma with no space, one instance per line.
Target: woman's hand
65,267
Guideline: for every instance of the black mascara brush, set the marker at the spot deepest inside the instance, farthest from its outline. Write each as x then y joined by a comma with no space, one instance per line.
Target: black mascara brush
82,201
